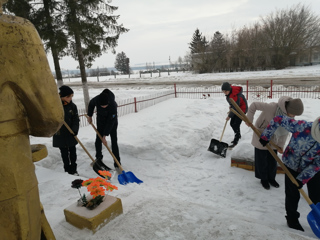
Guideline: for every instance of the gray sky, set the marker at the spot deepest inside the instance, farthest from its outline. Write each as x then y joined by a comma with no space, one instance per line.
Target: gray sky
159,29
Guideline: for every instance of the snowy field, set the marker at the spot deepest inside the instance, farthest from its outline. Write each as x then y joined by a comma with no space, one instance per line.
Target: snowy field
187,191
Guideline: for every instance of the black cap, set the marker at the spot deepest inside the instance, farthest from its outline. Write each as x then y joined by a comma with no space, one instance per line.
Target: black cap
65,91
226,86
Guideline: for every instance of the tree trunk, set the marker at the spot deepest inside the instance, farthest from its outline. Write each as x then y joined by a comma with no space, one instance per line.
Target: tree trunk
55,54
57,66
80,60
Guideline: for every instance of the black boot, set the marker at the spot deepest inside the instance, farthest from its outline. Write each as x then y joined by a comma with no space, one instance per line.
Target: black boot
294,223
265,184
234,142
274,183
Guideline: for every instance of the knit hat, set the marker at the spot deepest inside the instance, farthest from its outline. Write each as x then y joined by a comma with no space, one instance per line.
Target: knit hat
226,86
294,107
65,91
103,99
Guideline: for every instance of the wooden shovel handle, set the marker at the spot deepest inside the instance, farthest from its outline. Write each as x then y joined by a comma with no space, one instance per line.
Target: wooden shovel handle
99,135
285,169
70,130
224,128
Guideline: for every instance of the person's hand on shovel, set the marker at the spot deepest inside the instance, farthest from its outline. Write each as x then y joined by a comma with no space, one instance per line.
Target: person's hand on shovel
89,119
264,142
104,141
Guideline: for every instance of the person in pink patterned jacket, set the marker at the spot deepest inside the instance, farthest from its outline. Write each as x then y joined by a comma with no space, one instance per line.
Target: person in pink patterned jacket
302,158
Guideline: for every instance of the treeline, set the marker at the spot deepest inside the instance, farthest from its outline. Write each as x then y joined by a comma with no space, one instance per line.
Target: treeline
275,42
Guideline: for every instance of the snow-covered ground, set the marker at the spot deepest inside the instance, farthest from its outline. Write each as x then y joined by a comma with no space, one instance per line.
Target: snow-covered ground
187,191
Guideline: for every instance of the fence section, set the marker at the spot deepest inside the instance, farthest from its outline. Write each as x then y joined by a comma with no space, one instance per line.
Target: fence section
132,105
253,93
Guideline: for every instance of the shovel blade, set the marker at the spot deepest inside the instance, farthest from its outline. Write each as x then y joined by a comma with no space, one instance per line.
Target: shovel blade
100,166
314,219
218,147
128,177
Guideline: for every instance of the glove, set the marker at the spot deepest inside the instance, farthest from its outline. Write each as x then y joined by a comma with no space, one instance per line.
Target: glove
263,142
300,184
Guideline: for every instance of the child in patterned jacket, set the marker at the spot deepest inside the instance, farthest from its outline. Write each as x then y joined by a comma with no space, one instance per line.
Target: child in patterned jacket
302,158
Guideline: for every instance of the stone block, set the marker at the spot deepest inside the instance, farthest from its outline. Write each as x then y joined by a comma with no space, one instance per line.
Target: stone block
82,217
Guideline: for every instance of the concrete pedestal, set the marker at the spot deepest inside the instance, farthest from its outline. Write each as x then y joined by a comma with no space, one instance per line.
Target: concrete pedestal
82,217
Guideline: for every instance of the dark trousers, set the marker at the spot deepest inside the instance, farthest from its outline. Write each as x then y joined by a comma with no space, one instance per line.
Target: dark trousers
265,164
293,194
114,143
235,124
69,158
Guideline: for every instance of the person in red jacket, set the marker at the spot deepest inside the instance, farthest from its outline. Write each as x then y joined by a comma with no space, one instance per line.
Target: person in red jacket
235,92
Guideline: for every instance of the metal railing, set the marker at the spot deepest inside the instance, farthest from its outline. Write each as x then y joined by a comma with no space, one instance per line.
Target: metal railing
253,93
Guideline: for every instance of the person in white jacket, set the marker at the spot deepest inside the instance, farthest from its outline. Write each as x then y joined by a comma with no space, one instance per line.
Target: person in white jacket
265,164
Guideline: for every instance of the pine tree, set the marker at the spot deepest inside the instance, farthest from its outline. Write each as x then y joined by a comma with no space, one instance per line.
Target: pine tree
89,28
48,24
218,50
198,43
93,29
121,63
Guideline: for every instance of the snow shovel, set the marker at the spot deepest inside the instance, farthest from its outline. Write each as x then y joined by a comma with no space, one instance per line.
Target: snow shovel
125,177
313,216
219,147
96,165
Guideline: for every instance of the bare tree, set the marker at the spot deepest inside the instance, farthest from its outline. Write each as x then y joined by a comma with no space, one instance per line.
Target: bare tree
286,31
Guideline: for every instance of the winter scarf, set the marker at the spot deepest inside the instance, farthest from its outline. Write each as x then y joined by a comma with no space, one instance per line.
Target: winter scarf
315,131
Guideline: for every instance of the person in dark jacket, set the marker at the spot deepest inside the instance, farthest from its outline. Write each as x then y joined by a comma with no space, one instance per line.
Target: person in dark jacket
235,92
63,139
107,122
302,158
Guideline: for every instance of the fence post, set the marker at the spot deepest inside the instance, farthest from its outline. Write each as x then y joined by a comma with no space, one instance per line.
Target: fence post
271,85
135,104
175,90
247,89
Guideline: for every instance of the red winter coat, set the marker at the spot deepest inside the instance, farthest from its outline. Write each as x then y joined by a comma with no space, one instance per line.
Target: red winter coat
238,97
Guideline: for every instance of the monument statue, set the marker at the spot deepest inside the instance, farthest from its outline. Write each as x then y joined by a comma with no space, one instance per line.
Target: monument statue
29,105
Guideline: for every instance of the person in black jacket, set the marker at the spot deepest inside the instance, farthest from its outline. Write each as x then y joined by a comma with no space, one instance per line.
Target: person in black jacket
107,122
63,139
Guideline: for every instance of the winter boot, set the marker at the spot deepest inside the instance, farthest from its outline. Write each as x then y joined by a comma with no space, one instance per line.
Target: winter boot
274,183
294,223
265,184
235,141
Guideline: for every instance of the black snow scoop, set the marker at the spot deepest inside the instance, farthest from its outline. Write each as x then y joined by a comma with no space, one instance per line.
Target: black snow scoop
219,147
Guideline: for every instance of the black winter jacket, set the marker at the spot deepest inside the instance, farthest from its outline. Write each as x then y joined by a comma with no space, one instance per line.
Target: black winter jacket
107,118
63,138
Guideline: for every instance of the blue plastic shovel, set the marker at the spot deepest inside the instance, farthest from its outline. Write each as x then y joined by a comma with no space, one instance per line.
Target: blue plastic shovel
313,216
125,177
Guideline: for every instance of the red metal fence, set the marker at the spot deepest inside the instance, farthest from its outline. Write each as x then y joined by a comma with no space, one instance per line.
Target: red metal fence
252,93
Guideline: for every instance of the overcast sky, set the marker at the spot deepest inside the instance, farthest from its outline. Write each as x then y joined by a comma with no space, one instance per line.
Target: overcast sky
163,29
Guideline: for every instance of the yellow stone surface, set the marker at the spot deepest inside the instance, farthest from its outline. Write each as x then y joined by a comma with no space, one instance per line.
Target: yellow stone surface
82,217
29,105
39,151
